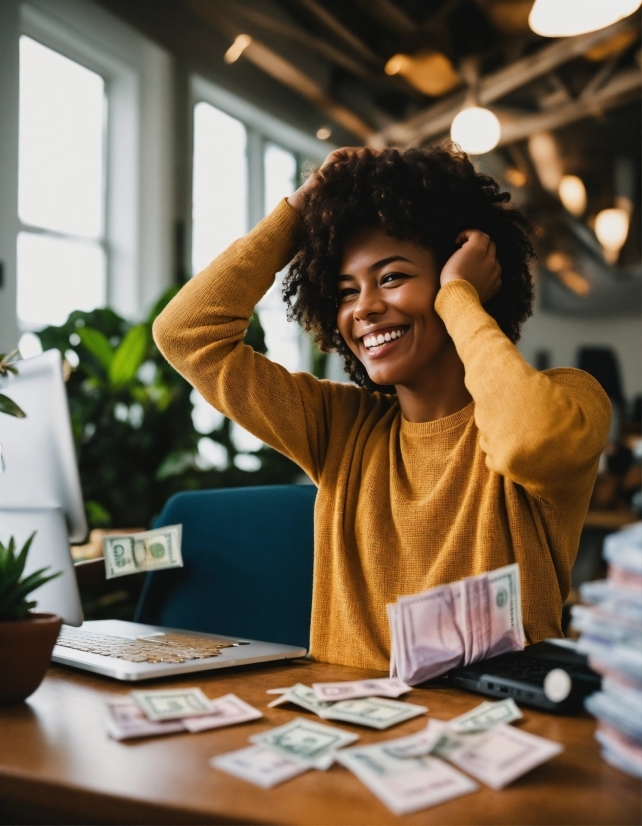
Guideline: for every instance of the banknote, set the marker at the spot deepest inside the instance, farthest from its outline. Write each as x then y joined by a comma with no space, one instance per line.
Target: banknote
228,710
375,712
419,744
172,703
302,696
499,755
404,784
146,551
352,690
308,743
125,721
485,716
259,765
455,624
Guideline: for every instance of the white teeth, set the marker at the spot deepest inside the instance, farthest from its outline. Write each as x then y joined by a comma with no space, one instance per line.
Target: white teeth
376,341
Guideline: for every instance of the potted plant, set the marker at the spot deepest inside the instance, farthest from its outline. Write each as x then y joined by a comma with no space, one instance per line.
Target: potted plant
26,638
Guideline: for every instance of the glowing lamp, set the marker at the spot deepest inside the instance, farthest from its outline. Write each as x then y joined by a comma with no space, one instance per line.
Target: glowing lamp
572,194
476,130
237,48
611,228
566,18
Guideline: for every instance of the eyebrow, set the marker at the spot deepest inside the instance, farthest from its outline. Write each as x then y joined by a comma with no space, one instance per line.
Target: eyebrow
377,266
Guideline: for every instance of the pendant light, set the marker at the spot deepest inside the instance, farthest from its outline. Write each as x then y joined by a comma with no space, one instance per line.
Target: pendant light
567,18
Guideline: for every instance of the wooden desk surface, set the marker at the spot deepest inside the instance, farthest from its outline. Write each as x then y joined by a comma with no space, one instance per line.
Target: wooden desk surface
55,754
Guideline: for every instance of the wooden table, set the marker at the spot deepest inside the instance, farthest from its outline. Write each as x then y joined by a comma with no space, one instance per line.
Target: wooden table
57,764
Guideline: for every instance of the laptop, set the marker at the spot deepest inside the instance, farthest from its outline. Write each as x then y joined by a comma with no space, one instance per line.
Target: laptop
551,675
40,491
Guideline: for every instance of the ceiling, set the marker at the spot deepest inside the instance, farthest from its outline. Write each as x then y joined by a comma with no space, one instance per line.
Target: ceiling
327,64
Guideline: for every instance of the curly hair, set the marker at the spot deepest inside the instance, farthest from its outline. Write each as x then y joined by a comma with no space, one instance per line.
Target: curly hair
427,195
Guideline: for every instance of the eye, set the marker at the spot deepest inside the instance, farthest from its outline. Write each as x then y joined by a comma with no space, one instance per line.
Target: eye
347,292
391,277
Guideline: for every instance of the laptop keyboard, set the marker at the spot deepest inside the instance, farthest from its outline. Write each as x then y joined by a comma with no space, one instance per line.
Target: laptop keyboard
168,648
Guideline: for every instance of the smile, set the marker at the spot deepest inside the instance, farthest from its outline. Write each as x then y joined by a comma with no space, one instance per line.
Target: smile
376,341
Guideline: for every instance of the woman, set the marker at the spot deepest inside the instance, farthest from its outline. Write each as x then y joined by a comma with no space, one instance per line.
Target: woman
449,455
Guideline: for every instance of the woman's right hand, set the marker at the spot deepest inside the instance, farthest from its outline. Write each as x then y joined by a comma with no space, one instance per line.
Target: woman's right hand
297,199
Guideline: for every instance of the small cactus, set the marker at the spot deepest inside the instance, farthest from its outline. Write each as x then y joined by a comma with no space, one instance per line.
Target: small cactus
13,589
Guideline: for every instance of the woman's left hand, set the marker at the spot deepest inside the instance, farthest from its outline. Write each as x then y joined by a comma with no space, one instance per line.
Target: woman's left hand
476,262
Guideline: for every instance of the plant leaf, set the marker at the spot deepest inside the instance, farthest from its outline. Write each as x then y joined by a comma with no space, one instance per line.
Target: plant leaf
97,344
129,356
10,407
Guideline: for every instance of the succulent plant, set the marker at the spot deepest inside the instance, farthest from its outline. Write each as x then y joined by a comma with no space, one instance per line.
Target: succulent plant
7,405
13,589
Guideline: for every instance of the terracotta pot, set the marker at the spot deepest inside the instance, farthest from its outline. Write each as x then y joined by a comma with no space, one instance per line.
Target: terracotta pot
25,654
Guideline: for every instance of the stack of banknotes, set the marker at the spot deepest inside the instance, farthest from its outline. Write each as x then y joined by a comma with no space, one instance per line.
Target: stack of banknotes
456,624
135,553
611,635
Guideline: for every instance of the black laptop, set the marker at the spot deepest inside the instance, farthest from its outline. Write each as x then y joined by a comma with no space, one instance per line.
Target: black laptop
526,677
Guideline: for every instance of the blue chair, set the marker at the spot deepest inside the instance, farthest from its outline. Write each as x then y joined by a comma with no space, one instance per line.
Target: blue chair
247,572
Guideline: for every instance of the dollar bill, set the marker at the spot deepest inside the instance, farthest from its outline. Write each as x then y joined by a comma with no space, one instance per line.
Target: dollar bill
172,704
302,696
126,721
485,716
404,784
352,690
146,551
228,710
259,765
498,756
420,744
308,743
375,712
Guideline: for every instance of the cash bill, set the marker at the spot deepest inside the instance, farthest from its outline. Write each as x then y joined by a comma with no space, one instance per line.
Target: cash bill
485,716
306,742
455,624
146,551
375,712
353,690
126,721
419,744
302,696
497,756
404,784
172,704
228,710
259,765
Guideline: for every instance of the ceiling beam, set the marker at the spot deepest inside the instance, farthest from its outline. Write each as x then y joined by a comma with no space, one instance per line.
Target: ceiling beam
285,72
436,120
341,31
389,14
624,86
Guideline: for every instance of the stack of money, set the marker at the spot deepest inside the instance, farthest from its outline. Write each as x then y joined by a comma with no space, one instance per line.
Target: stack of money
151,713
611,635
361,705
144,551
456,624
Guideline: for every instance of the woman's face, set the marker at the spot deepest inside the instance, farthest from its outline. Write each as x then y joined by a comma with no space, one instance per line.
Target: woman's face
387,290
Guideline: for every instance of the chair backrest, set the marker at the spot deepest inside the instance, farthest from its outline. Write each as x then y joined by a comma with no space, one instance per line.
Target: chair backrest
248,555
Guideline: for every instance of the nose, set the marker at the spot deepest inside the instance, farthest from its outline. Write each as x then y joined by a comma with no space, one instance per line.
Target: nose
369,303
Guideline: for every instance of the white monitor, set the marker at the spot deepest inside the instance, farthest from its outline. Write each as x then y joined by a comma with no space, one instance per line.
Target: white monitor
40,468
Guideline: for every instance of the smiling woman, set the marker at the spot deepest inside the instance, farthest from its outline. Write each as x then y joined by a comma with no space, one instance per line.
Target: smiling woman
449,455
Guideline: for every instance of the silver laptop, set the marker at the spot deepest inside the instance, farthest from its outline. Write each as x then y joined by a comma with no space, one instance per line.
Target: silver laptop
40,491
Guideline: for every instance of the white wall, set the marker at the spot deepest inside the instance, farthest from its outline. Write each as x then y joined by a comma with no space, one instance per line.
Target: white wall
563,335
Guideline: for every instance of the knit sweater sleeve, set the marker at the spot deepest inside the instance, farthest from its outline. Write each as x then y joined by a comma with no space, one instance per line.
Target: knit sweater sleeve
201,334
544,431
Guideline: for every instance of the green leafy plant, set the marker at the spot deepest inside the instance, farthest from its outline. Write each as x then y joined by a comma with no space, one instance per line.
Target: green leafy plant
7,405
13,589
132,417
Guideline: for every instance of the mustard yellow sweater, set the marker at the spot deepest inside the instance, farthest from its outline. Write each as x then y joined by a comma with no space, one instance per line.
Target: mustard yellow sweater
402,506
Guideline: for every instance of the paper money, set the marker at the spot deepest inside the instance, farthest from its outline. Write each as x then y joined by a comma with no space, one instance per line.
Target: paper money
420,744
352,690
375,712
308,743
455,624
125,721
228,710
498,756
259,765
172,704
302,696
485,716
146,551
404,784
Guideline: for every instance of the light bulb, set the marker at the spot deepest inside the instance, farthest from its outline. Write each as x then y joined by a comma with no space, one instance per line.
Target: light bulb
611,228
566,18
476,130
572,194
237,48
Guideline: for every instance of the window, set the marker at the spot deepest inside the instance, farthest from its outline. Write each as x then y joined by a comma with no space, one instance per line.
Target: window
61,254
